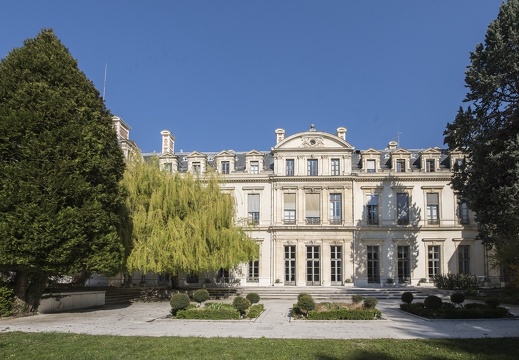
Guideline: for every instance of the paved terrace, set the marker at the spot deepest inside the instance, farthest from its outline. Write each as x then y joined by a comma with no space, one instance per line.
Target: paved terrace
150,319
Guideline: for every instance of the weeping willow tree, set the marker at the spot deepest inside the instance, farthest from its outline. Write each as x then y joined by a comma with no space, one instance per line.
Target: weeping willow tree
181,224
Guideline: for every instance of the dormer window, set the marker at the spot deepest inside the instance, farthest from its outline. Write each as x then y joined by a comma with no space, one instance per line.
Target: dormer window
254,167
196,168
400,165
226,166
370,166
429,165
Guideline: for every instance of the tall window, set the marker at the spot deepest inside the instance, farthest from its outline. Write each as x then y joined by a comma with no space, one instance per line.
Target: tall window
253,273
402,208
433,207
290,167
335,209
254,208
226,165
289,210
313,215
400,165
373,264
335,167
404,263
464,259
312,167
463,213
196,168
370,166
336,264
372,209
429,165
168,167
290,264
254,167
433,256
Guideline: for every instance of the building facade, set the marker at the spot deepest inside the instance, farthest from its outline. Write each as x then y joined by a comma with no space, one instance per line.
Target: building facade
326,214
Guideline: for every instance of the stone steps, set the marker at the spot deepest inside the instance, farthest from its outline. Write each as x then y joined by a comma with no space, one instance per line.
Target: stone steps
329,293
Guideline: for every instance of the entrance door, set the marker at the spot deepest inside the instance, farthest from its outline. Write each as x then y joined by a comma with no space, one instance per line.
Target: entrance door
336,265
290,265
313,269
373,264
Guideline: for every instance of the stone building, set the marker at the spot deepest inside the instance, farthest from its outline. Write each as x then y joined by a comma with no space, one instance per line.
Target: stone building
326,214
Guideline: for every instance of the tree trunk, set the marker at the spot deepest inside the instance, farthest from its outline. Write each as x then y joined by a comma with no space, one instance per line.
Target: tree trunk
21,283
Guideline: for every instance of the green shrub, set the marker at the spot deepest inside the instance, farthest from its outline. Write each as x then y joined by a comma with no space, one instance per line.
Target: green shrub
305,303
209,314
201,295
433,302
241,304
179,302
255,311
345,314
492,302
6,300
356,298
370,302
448,305
475,306
301,295
253,297
457,298
407,297
455,281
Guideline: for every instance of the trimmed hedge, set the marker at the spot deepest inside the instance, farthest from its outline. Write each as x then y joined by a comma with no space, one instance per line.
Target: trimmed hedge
201,295
370,302
433,302
179,302
6,300
356,298
458,298
470,311
255,311
305,303
241,304
209,314
345,314
407,297
253,297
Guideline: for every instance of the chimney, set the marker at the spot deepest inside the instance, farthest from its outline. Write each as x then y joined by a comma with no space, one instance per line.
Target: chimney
392,145
168,142
341,132
280,135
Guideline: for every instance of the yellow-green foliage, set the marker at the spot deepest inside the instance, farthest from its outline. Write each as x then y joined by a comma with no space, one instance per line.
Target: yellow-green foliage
181,223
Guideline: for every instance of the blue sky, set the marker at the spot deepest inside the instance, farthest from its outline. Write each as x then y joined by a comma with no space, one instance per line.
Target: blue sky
225,74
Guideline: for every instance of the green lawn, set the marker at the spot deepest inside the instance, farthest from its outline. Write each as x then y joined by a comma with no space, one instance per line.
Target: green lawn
71,346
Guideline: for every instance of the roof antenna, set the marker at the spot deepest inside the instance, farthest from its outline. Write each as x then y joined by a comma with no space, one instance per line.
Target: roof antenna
104,84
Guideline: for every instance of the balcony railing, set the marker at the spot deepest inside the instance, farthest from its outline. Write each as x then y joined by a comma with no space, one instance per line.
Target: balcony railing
313,221
289,221
335,221
433,221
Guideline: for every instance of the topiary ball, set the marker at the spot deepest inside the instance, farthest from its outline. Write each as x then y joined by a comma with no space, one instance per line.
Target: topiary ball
301,295
201,295
241,304
254,298
433,302
305,302
407,297
357,298
179,302
457,298
370,302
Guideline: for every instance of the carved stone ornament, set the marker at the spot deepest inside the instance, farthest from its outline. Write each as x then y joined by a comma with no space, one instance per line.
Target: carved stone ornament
312,142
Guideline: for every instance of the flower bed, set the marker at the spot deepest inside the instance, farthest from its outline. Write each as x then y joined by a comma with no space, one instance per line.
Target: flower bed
480,311
337,311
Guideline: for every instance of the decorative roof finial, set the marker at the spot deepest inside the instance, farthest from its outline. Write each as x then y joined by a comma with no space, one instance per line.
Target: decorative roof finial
312,127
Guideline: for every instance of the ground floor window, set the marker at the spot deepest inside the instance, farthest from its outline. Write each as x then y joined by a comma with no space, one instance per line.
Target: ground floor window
404,263
253,272
433,257
336,264
464,259
290,264
373,265
313,269
192,278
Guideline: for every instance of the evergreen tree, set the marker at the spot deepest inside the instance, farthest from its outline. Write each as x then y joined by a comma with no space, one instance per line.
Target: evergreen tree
488,132
181,223
60,165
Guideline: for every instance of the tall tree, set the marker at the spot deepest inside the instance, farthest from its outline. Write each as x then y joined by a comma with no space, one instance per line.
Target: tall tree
60,166
488,132
181,223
